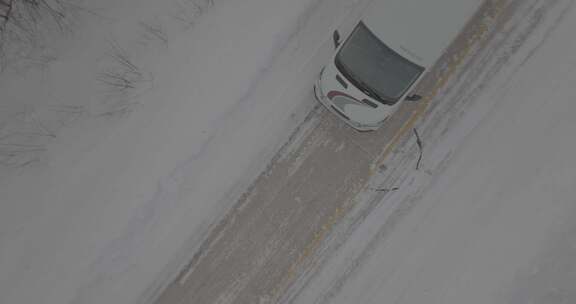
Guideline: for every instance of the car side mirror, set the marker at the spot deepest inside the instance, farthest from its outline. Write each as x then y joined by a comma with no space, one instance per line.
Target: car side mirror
336,38
414,97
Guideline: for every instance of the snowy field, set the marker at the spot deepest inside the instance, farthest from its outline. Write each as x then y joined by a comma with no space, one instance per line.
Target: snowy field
133,126
128,127
489,217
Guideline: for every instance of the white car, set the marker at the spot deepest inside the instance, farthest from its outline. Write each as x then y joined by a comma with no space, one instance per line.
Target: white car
385,55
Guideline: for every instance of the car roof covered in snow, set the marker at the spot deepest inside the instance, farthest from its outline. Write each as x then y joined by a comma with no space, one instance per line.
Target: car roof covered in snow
419,30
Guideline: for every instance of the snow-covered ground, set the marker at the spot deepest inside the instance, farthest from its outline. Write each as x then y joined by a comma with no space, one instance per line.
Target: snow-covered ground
492,209
126,136
124,139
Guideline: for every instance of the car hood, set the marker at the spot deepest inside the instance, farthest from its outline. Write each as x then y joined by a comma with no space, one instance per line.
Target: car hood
349,100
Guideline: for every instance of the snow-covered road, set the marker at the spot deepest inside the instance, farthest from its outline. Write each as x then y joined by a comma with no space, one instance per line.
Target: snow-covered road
312,220
491,218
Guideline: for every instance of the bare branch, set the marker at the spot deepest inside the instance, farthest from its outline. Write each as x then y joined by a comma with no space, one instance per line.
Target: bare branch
386,189
189,10
123,74
154,31
27,26
419,143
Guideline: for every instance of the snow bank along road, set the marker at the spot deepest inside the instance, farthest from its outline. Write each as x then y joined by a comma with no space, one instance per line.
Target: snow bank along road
329,178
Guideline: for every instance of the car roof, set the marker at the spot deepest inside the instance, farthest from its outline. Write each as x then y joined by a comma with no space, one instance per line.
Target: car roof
419,30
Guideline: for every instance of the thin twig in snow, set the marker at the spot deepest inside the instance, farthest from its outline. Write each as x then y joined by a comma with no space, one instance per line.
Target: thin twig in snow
386,189
419,143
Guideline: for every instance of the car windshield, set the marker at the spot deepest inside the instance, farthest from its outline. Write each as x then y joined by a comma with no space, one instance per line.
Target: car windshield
375,68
